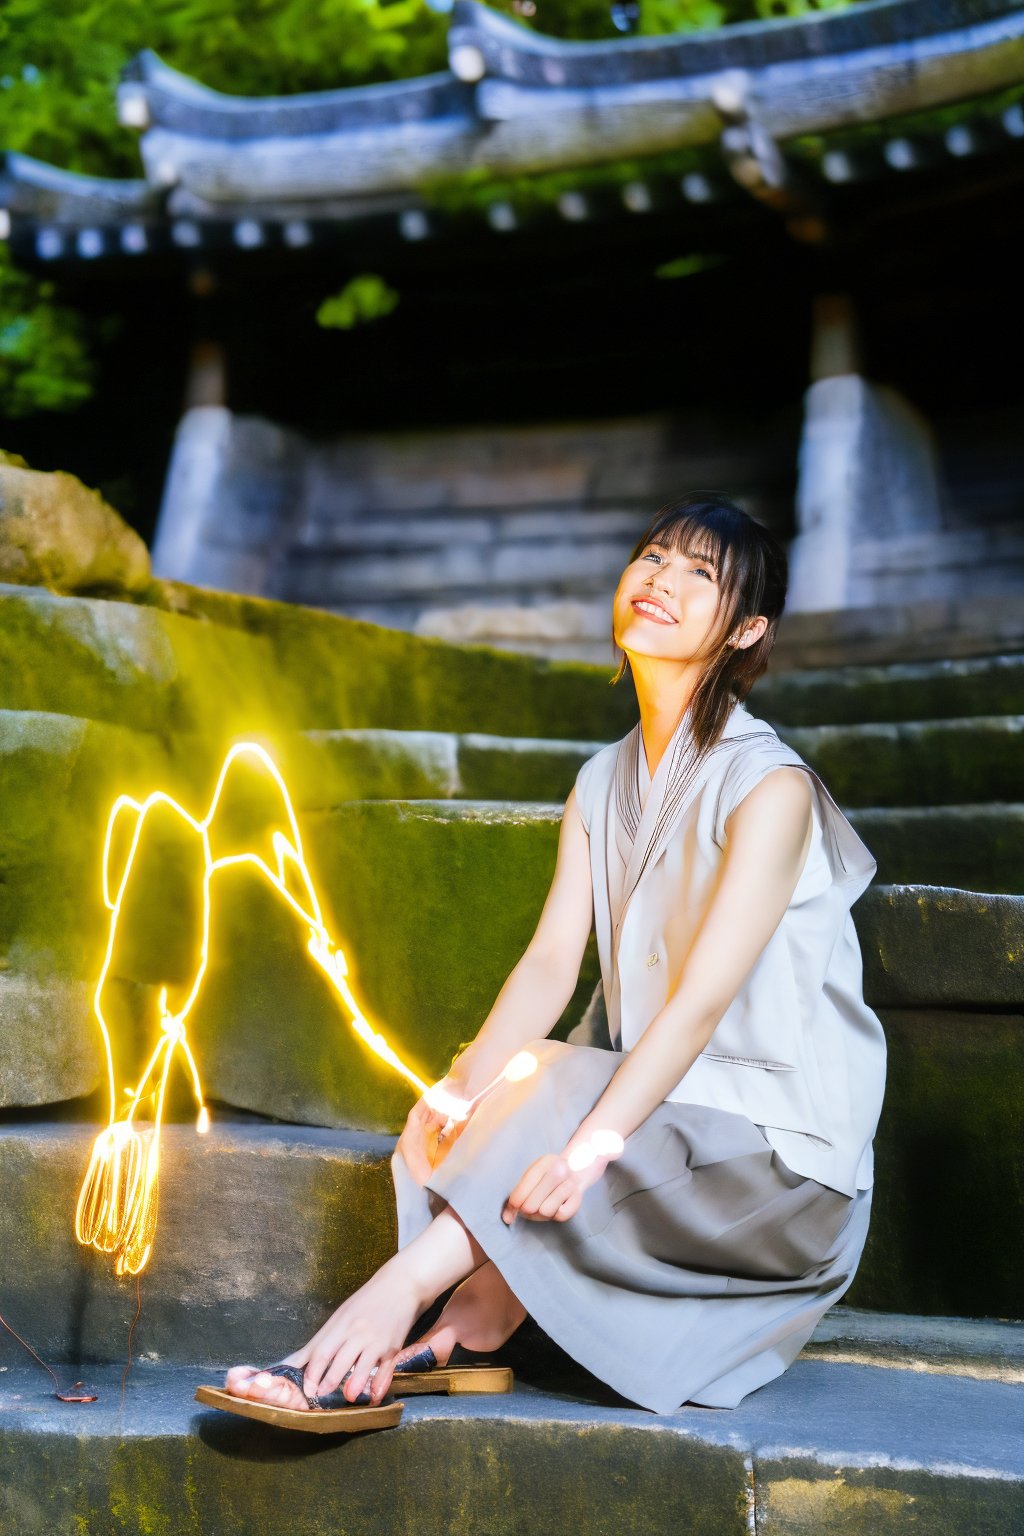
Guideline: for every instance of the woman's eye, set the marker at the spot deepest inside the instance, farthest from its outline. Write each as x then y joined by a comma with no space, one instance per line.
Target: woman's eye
699,570
652,556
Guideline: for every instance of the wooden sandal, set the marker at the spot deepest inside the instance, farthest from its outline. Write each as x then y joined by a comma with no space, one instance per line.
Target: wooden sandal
324,1416
467,1370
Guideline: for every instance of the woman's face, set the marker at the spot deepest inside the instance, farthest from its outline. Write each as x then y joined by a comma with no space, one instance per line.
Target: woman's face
666,604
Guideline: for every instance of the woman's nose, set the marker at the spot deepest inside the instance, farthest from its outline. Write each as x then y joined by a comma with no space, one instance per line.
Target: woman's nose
660,579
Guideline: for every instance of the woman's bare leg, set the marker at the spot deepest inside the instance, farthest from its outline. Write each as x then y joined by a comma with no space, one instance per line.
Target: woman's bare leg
482,1314
370,1328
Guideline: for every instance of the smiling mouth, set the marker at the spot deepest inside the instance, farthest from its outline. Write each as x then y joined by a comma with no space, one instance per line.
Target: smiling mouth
651,611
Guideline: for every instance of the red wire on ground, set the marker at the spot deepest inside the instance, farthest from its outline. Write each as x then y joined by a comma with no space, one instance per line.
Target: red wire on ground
15,1335
79,1393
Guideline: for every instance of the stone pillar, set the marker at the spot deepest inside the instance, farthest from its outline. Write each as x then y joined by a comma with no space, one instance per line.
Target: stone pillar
868,476
233,492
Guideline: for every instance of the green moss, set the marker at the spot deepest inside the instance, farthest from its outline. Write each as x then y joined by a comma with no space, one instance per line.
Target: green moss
929,763
949,1159
221,666
431,935
930,690
973,847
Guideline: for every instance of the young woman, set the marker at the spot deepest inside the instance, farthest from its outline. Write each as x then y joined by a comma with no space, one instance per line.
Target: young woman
729,1046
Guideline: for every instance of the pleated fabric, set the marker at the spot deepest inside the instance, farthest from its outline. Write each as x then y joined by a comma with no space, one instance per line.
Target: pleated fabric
697,1266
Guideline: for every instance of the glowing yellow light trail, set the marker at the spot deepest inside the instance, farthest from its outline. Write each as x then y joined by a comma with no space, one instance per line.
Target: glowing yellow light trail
117,1205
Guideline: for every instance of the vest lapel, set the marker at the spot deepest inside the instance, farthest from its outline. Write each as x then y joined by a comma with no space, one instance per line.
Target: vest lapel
641,835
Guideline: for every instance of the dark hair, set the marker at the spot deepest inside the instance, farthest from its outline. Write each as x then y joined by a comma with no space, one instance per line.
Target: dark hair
752,571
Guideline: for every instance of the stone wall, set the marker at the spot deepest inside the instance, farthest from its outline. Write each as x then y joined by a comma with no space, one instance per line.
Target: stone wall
509,536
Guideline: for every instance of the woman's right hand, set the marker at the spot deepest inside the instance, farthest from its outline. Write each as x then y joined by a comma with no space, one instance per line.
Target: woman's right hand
421,1143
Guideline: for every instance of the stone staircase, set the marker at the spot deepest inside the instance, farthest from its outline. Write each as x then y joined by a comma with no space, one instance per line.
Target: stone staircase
429,784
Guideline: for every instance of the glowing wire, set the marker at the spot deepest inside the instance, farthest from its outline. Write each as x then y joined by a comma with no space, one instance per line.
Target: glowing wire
117,1205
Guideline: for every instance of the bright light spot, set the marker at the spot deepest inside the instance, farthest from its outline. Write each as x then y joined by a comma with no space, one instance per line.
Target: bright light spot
607,1143
522,1065
466,62
600,1144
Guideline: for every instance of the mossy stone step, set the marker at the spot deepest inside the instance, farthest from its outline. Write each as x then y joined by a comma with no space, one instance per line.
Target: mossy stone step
223,666
973,847
920,690
825,1447
919,763
328,767
59,775
949,1158
929,946
410,894
264,1228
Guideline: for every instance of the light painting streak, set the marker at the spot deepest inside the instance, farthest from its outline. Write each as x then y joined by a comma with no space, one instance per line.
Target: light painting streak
117,1205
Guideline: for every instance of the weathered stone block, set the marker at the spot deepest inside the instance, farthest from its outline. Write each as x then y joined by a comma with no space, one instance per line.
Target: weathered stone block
55,532
497,768
430,940
262,1231
59,777
826,1447
949,1160
928,947
51,1044
324,768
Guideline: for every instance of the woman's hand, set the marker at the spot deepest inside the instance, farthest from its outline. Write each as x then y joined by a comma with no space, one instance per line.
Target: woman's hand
422,1144
550,1190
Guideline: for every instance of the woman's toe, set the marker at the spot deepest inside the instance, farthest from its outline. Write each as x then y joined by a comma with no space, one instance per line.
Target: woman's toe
278,1391
238,1378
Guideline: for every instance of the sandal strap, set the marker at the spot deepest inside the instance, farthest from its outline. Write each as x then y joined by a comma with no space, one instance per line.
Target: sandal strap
296,1375
423,1360
336,1399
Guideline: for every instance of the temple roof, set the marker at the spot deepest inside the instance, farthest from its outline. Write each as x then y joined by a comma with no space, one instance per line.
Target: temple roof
791,113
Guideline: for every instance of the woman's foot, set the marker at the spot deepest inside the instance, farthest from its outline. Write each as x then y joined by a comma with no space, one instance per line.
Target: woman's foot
347,1351
482,1315
362,1338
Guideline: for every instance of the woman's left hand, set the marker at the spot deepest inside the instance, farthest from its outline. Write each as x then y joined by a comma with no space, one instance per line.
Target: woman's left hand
550,1190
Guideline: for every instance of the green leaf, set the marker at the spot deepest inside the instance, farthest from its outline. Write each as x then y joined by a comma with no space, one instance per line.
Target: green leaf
364,298
686,266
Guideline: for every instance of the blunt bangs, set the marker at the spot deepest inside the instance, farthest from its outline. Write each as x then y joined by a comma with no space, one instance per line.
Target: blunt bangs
751,571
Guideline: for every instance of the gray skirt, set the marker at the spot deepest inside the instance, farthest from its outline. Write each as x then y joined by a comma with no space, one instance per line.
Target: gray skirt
696,1267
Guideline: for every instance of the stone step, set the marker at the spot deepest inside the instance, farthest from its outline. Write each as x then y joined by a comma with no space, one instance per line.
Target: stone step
973,847
825,1447
922,690
410,894
431,528
160,667
263,1228
985,1350
921,764
328,767
459,568
918,763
